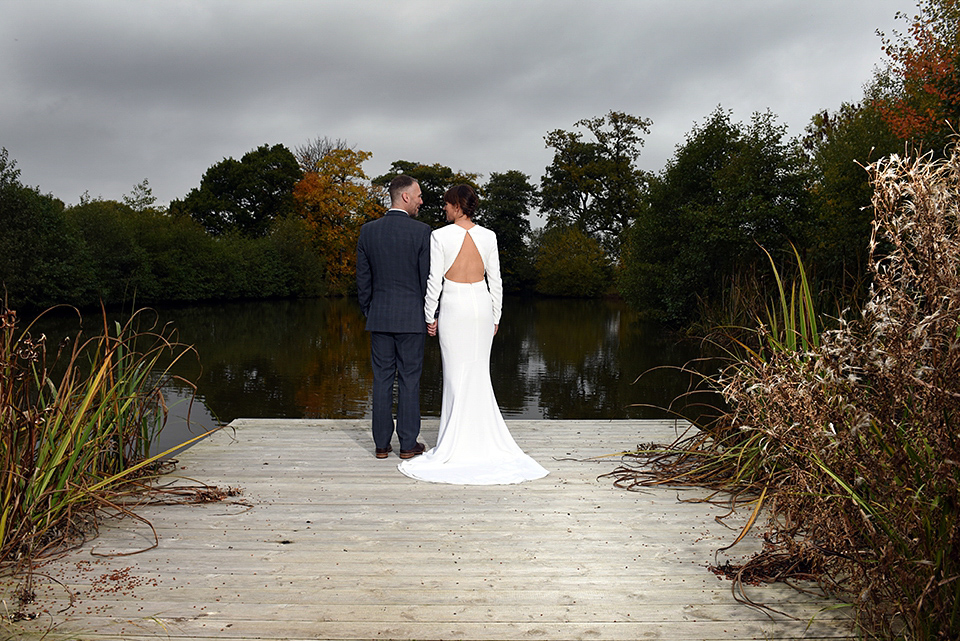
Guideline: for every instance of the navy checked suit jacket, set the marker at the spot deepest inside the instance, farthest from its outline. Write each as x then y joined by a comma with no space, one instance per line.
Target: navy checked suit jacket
393,261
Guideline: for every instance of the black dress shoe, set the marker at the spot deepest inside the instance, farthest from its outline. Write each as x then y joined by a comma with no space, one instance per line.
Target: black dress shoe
384,452
418,449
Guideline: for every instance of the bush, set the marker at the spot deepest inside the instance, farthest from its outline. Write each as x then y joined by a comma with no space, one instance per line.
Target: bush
300,263
570,263
185,264
108,252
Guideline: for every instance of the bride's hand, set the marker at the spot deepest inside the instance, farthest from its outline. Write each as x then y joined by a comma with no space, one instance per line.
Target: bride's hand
432,328
495,328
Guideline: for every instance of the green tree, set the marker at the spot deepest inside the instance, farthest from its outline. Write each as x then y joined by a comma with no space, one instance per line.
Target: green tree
434,181
302,267
840,145
184,263
244,196
508,200
570,263
38,255
102,250
106,233
141,197
729,191
594,184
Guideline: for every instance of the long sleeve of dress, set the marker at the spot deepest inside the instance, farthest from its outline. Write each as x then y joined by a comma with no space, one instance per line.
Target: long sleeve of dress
492,266
434,280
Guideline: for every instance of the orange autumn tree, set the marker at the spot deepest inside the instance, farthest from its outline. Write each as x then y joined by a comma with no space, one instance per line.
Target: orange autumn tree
335,198
920,93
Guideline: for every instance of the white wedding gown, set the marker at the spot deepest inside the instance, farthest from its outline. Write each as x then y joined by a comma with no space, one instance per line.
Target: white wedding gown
474,446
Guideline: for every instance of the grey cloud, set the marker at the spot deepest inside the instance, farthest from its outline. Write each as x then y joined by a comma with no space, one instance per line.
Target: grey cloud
100,94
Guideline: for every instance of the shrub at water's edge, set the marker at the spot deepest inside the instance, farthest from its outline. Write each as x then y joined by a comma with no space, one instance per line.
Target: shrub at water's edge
77,423
851,444
570,263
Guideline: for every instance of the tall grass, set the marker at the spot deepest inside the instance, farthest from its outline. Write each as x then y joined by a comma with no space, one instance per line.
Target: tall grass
76,425
849,436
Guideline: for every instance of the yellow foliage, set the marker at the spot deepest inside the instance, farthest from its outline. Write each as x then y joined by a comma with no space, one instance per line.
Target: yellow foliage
335,200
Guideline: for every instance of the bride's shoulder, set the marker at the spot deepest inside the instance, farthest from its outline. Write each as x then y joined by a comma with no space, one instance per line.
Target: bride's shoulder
446,231
483,231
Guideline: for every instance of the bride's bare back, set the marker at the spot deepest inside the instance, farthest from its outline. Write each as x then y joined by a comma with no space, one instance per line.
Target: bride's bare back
468,265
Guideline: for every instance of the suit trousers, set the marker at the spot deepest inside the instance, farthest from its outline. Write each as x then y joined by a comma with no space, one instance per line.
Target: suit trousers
396,356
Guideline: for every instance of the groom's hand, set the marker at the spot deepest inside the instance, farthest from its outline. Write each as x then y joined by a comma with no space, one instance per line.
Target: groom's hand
432,328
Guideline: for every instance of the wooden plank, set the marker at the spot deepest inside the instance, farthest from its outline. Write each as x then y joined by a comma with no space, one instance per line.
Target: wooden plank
366,608
479,590
201,625
327,542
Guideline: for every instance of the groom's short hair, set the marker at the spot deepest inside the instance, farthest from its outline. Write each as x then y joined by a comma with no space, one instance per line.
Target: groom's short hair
400,184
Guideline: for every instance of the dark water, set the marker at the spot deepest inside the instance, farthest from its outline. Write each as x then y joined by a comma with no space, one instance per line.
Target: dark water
552,358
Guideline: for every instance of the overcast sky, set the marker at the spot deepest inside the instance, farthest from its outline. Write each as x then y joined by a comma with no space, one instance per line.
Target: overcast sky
96,95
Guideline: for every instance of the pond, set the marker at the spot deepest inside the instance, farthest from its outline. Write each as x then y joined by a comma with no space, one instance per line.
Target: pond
551,359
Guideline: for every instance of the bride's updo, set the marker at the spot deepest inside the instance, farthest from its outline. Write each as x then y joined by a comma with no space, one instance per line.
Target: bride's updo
464,197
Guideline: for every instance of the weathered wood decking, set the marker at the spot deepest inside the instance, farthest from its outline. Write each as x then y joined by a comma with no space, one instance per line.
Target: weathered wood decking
340,545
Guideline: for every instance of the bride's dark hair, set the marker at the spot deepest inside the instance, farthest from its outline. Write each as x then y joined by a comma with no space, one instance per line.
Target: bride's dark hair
464,197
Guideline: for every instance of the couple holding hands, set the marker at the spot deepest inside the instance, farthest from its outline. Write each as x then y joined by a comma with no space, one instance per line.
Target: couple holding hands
413,283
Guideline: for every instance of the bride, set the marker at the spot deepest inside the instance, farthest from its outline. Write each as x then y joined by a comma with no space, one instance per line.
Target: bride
474,446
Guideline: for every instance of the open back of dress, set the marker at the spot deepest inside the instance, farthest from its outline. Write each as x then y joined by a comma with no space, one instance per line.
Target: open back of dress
467,267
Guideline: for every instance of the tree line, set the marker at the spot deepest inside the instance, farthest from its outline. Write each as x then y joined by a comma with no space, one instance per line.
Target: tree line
690,241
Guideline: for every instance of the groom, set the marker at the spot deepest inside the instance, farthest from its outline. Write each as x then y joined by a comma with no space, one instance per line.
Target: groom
393,260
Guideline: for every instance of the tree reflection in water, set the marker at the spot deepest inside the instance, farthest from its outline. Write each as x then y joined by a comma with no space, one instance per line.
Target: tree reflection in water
552,358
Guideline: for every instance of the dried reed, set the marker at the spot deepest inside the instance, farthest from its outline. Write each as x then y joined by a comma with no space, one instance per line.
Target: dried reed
848,437
70,442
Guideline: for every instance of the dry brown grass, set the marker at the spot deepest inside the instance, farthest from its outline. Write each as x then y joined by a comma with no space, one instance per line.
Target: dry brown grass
851,445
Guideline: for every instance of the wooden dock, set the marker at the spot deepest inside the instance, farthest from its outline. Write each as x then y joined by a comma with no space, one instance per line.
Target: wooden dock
327,542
